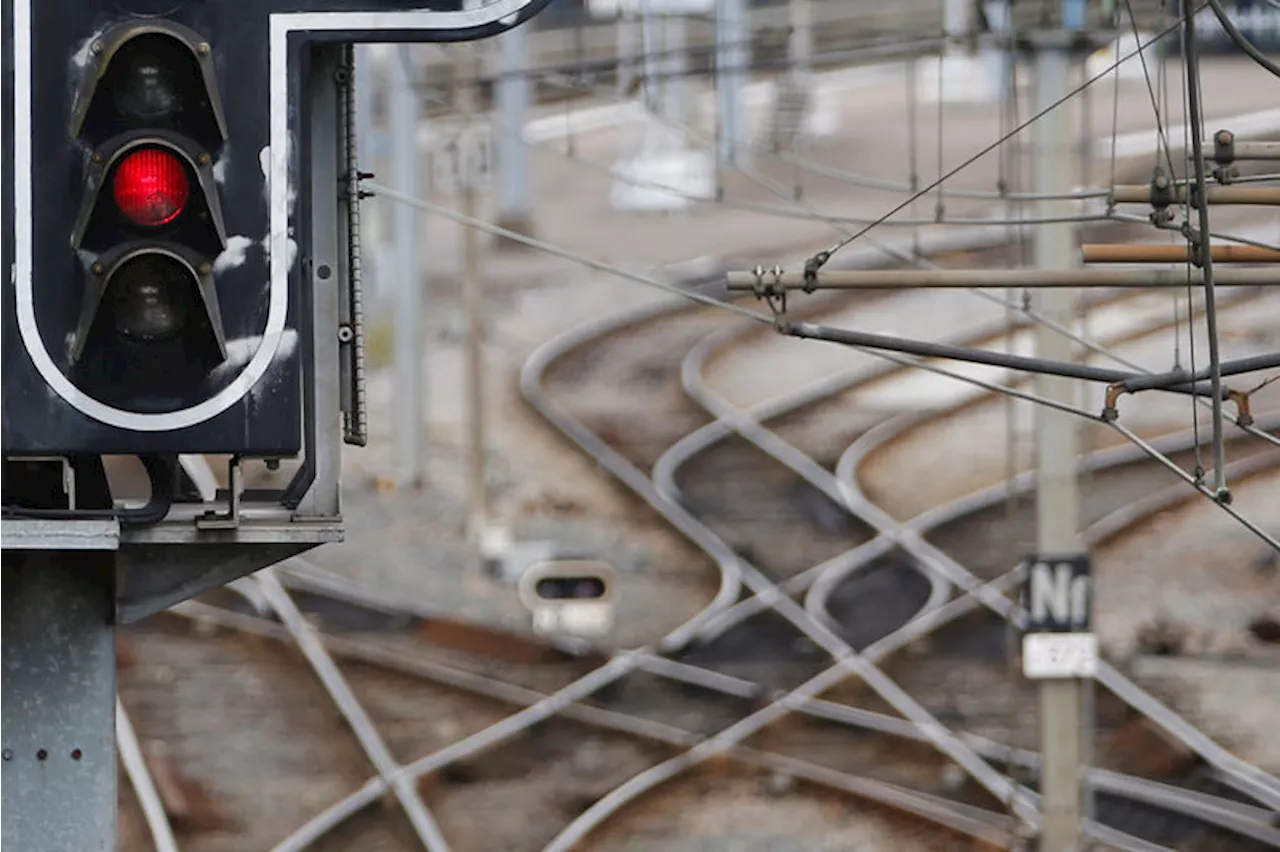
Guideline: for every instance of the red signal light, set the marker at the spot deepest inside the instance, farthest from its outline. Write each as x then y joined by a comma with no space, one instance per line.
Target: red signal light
151,187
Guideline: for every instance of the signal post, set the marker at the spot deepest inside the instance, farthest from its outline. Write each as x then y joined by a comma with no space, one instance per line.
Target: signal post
180,211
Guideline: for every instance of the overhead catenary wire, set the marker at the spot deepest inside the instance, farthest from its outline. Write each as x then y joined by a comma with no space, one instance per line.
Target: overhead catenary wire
691,295
825,255
806,211
1168,30
845,657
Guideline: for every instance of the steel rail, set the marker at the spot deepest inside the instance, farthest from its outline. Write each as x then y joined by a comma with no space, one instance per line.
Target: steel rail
939,562
1238,817
727,561
1098,459
735,734
975,822
804,467
424,825
608,673
1261,785
650,778
144,786
703,438
750,576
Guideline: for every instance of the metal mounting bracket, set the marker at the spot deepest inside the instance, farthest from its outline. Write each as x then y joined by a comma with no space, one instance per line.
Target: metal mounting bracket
212,520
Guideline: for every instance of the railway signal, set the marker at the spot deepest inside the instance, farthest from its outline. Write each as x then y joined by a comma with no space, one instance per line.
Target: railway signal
570,597
180,205
150,224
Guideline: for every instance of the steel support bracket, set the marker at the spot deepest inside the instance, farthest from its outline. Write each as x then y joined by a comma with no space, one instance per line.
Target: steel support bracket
1110,413
212,520
1244,413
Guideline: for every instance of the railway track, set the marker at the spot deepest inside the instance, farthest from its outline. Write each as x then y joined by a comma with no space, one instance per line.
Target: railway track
737,487
867,606
681,697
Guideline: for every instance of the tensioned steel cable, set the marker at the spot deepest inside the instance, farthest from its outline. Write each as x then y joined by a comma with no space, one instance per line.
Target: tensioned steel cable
824,256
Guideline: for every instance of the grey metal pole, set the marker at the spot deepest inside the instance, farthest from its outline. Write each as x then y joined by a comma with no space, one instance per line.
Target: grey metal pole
956,24
1062,734
629,73
405,108
59,717
800,43
675,68
473,299
513,94
731,61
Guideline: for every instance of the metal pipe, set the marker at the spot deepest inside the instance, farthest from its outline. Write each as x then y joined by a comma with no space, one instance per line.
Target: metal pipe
1251,364
1065,723
767,283
473,301
408,237
1043,366
1143,194
1123,253
732,22
512,95
1245,151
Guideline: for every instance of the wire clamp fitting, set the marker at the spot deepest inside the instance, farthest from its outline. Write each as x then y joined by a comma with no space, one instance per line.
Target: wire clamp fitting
811,267
1162,197
1224,147
772,293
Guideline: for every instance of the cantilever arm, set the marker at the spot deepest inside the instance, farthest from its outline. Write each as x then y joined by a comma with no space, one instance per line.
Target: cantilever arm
1177,383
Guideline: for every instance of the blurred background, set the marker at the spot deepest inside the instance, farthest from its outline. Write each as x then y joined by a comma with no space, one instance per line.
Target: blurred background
549,478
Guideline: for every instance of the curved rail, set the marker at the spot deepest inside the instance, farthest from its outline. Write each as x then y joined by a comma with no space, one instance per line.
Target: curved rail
976,822
731,570
835,570
144,786
620,665
424,825
1259,784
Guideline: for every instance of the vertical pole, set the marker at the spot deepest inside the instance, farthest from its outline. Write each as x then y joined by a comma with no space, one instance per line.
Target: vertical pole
1057,447
651,79
59,716
405,109
513,93
731,66
473,297
628,72
800,44
794,95
956,25
674,69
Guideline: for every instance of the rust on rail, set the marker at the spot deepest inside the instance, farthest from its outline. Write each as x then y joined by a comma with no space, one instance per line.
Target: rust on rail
489,642
1122,253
